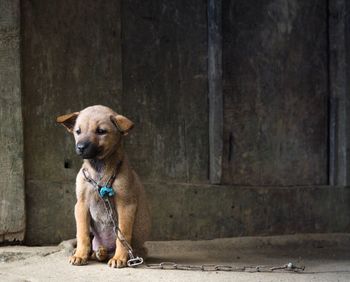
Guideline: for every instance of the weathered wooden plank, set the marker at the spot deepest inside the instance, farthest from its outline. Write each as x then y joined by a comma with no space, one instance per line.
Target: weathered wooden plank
246,211
275,92
339,58
165,88
50,211
215,90
232,211
12,214
71,60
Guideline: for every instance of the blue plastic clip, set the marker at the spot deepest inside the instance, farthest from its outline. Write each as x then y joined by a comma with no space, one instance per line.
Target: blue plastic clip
106,191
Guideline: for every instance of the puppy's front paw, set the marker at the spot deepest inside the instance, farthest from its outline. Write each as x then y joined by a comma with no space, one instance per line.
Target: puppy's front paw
77,260
118,261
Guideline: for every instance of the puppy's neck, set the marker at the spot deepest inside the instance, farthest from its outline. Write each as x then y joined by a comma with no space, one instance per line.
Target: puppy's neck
106,165
97,165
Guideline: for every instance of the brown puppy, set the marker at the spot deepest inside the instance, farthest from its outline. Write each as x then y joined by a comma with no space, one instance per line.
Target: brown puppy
98,133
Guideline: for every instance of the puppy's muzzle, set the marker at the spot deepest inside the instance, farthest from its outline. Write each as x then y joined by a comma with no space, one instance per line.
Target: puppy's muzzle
86,149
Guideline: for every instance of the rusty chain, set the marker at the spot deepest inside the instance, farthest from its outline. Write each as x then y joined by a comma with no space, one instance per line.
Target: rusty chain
289,267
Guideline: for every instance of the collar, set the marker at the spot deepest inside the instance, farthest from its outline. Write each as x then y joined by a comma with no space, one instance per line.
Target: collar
106,189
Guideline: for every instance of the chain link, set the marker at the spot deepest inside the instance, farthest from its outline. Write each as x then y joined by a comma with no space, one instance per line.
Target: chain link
289,267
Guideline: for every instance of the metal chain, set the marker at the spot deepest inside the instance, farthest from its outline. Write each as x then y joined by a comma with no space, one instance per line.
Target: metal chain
289,267
97,186
133,260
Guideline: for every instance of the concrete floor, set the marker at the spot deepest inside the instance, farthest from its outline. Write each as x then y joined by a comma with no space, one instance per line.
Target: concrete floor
326,258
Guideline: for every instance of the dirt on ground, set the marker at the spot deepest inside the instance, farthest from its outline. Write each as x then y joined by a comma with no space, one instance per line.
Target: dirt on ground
326,257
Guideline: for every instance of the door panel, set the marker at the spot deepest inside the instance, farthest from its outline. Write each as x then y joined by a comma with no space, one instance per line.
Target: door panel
165,88
275,92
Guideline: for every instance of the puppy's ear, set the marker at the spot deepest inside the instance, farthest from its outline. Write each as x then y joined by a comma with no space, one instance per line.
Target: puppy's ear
122,123
68,121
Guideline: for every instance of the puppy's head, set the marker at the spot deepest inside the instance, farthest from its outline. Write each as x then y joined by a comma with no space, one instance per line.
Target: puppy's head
97,131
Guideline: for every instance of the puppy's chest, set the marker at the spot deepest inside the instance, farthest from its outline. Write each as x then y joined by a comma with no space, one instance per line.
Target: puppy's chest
98,211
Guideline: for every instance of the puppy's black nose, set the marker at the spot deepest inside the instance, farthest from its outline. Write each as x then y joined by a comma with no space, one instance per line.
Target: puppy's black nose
86,149
81,147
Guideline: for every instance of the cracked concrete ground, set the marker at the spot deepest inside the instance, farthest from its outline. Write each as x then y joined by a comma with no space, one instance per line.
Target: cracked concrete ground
325,256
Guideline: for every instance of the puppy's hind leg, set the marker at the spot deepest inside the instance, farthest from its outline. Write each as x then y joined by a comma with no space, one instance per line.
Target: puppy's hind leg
100,255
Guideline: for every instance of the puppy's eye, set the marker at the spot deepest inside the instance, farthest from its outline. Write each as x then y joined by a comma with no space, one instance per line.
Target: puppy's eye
78,131
101,131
